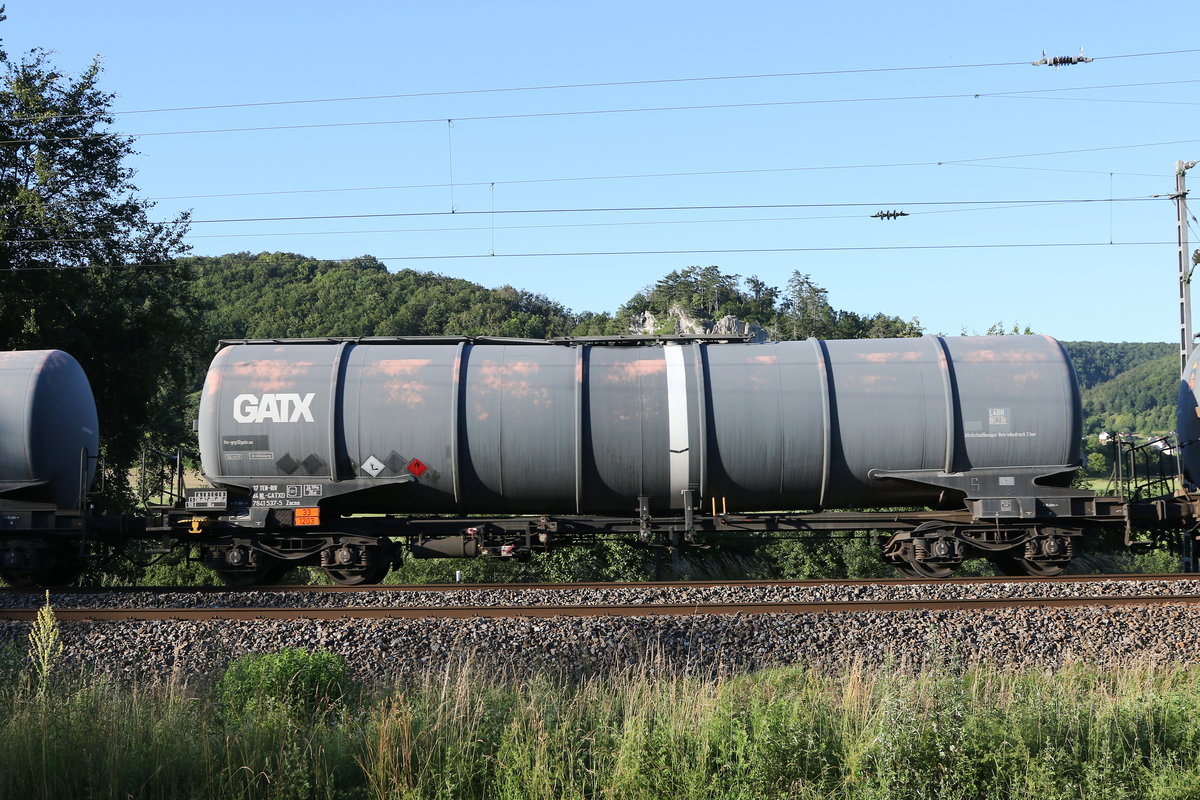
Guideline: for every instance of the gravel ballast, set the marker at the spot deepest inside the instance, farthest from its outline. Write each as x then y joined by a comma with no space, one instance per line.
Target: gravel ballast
591,596
389,649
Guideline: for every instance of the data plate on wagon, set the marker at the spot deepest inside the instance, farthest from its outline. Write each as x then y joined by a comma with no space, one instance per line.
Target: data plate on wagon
206,499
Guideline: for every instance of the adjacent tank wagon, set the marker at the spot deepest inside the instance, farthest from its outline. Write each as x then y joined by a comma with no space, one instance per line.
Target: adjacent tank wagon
49,441
49,434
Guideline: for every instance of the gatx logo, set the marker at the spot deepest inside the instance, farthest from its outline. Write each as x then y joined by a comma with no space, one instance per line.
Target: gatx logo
273,408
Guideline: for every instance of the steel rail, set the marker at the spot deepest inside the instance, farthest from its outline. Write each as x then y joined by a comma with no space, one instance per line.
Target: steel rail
635,610
452,587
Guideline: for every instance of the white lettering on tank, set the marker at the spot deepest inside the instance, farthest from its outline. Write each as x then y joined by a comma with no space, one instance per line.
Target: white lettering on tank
301,411
268,409
249,408
245,406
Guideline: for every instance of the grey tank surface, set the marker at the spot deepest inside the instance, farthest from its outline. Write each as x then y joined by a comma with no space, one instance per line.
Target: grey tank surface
49,436
525,427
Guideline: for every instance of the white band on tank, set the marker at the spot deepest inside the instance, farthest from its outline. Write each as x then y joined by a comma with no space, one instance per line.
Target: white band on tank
677,423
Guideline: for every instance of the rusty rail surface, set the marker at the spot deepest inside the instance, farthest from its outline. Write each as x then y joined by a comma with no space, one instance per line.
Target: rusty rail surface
634,610
451,587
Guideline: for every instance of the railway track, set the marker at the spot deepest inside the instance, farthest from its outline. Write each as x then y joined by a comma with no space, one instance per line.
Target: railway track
242,607
607,585
135,635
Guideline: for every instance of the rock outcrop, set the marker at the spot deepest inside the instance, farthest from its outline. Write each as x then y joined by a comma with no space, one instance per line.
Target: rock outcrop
678,320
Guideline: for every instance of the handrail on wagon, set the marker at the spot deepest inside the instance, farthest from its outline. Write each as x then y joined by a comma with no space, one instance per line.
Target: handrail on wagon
558,340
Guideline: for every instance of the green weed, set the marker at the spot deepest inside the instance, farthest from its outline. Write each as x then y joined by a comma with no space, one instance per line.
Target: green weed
287,727
292,682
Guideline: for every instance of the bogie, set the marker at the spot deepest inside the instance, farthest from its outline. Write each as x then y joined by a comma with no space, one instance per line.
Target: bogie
349,564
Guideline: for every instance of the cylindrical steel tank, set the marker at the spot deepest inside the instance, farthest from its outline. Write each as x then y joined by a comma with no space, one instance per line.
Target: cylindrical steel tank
49,436
582,428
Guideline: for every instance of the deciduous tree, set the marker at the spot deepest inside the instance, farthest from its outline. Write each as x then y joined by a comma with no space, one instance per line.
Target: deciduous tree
83,267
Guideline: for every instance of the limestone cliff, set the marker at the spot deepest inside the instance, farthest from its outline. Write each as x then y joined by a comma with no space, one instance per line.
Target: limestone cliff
678,320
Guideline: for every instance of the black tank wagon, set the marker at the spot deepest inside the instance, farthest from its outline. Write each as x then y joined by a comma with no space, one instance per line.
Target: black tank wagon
689,436
488,428
339,452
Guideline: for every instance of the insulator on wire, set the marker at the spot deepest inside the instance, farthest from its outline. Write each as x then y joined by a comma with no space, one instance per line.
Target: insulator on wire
1061,61
889,214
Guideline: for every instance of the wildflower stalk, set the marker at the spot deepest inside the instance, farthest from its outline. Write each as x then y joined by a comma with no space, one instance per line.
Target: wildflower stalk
45,644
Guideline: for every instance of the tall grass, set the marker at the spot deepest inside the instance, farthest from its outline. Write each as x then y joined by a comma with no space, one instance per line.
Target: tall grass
469,733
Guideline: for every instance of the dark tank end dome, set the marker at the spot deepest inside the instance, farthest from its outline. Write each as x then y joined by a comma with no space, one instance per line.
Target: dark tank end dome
49,435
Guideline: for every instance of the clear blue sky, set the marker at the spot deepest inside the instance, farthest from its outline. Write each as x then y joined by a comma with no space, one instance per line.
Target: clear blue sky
169,55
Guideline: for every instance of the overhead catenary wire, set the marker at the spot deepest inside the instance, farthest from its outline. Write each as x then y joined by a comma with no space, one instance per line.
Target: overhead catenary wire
1058,169
957,162
593,85
1072,151
647,175
633,209
698,173
854,248
576,113
625,223
643,175
1101,100
691,208
963,205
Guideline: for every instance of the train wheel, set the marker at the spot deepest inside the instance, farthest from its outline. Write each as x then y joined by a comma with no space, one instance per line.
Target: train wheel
1057,551
903,560
359,565
919,569
268,571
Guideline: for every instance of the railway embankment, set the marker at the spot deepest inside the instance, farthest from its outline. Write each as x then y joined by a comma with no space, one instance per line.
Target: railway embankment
1022,624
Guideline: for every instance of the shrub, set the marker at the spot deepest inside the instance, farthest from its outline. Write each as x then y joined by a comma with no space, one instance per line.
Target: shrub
292,682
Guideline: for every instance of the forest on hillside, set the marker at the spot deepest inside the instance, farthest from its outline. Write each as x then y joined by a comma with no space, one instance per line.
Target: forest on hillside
287,295
1127,387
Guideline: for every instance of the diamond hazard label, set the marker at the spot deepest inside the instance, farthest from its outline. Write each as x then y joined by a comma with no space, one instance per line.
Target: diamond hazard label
417,467
372,466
